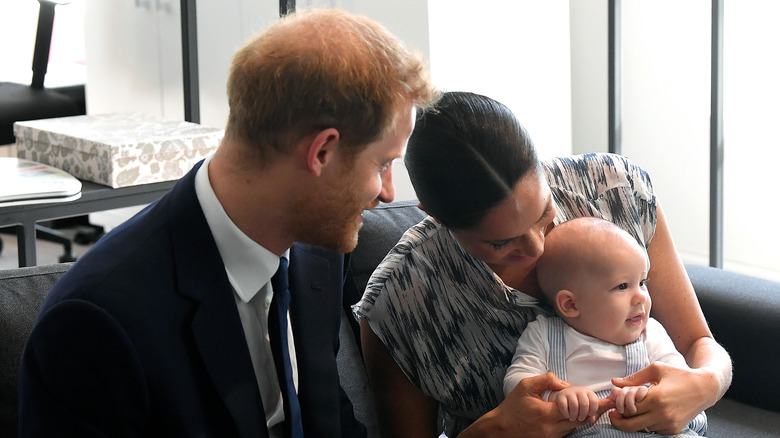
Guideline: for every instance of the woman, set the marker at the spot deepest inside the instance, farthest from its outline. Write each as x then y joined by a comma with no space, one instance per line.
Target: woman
441,314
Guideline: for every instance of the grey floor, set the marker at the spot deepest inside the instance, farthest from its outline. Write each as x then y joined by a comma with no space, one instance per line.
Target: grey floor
48,252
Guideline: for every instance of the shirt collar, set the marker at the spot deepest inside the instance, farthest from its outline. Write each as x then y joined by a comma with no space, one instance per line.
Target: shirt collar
249,265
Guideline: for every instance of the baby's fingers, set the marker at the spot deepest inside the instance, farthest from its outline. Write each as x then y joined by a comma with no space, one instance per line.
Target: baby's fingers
619,396
563,406
633,395
641,392
593,406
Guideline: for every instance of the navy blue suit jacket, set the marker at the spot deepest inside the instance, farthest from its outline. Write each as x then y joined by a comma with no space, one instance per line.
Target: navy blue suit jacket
141,337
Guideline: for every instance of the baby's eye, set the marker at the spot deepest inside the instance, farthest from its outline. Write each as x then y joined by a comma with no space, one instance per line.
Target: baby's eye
643,283
622,286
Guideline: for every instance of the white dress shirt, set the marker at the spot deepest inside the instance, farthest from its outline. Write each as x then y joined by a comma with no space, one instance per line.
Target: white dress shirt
249,268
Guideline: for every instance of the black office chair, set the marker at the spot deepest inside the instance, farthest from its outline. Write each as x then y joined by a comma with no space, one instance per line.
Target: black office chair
30,102
20,102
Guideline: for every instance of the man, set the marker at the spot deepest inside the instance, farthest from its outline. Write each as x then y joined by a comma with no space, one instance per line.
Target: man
163,328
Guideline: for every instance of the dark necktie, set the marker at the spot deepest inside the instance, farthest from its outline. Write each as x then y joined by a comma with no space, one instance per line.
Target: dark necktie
277,331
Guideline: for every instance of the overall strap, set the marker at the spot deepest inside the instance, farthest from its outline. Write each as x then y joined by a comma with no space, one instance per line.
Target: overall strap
556,358
636,356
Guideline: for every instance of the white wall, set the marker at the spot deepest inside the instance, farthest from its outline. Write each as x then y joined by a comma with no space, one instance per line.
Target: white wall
666,110
66,60
223,27
752,145
515,51
547,62
589,76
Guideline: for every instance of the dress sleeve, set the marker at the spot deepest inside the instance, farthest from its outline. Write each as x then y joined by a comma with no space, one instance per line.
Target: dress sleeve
604,185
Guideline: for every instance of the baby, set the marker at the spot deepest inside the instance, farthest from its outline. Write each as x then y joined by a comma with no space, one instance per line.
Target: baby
594,275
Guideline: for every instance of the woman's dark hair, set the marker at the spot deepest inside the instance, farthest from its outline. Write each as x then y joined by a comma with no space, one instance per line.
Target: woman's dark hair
465,156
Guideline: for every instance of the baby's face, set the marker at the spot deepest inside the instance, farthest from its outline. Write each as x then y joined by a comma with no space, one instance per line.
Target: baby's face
613,302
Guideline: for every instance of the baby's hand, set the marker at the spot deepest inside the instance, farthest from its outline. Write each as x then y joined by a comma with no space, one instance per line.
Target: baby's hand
626,399
576,402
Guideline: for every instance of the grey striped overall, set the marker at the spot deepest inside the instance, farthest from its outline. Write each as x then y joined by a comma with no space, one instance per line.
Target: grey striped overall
636,359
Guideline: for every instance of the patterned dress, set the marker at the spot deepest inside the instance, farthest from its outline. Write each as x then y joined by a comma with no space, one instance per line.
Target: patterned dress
449,321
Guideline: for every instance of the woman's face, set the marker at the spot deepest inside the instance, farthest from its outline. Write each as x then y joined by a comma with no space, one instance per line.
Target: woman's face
512,234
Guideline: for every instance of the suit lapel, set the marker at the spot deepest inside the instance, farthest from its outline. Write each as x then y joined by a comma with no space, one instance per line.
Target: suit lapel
216,326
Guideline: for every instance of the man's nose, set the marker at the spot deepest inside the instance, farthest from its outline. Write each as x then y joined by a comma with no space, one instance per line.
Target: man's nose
387,193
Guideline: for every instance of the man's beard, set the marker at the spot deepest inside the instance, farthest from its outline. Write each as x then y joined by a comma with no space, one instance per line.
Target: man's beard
329,219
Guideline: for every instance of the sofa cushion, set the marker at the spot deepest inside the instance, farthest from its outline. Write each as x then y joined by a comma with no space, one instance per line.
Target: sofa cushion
382,228
743,314
732,419
22,291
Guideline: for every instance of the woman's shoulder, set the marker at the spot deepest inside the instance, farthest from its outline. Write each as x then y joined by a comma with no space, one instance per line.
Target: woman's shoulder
403,262
591,176
426,236
596,167
604,185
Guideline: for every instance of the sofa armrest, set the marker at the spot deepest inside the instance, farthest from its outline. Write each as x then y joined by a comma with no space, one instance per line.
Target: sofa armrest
743,313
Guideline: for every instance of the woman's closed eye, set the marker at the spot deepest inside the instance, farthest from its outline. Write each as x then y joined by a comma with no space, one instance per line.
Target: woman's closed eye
500,244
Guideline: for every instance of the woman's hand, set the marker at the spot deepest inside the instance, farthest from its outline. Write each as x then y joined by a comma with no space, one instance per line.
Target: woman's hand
670,404
524,414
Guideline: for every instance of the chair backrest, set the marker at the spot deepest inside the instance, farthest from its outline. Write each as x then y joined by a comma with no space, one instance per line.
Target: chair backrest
22,291
42,43
31,102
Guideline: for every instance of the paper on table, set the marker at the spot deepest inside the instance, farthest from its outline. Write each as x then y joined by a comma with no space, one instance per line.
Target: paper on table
28,182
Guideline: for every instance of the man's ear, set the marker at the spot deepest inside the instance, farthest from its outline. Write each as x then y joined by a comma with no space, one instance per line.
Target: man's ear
321,150
566,303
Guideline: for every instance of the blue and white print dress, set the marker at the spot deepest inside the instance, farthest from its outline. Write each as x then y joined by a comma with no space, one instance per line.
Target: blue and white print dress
451,324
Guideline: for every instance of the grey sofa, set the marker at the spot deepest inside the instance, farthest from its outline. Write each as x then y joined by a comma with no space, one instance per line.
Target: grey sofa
744,314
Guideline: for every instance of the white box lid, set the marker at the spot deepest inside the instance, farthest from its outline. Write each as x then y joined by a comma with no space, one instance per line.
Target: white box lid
123,135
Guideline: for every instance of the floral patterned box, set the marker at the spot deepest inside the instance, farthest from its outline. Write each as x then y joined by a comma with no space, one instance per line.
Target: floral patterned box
117,150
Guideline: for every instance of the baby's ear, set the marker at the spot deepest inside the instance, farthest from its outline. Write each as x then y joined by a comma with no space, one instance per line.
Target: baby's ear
566,304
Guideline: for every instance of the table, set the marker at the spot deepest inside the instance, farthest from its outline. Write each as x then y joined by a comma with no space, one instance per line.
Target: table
94,198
